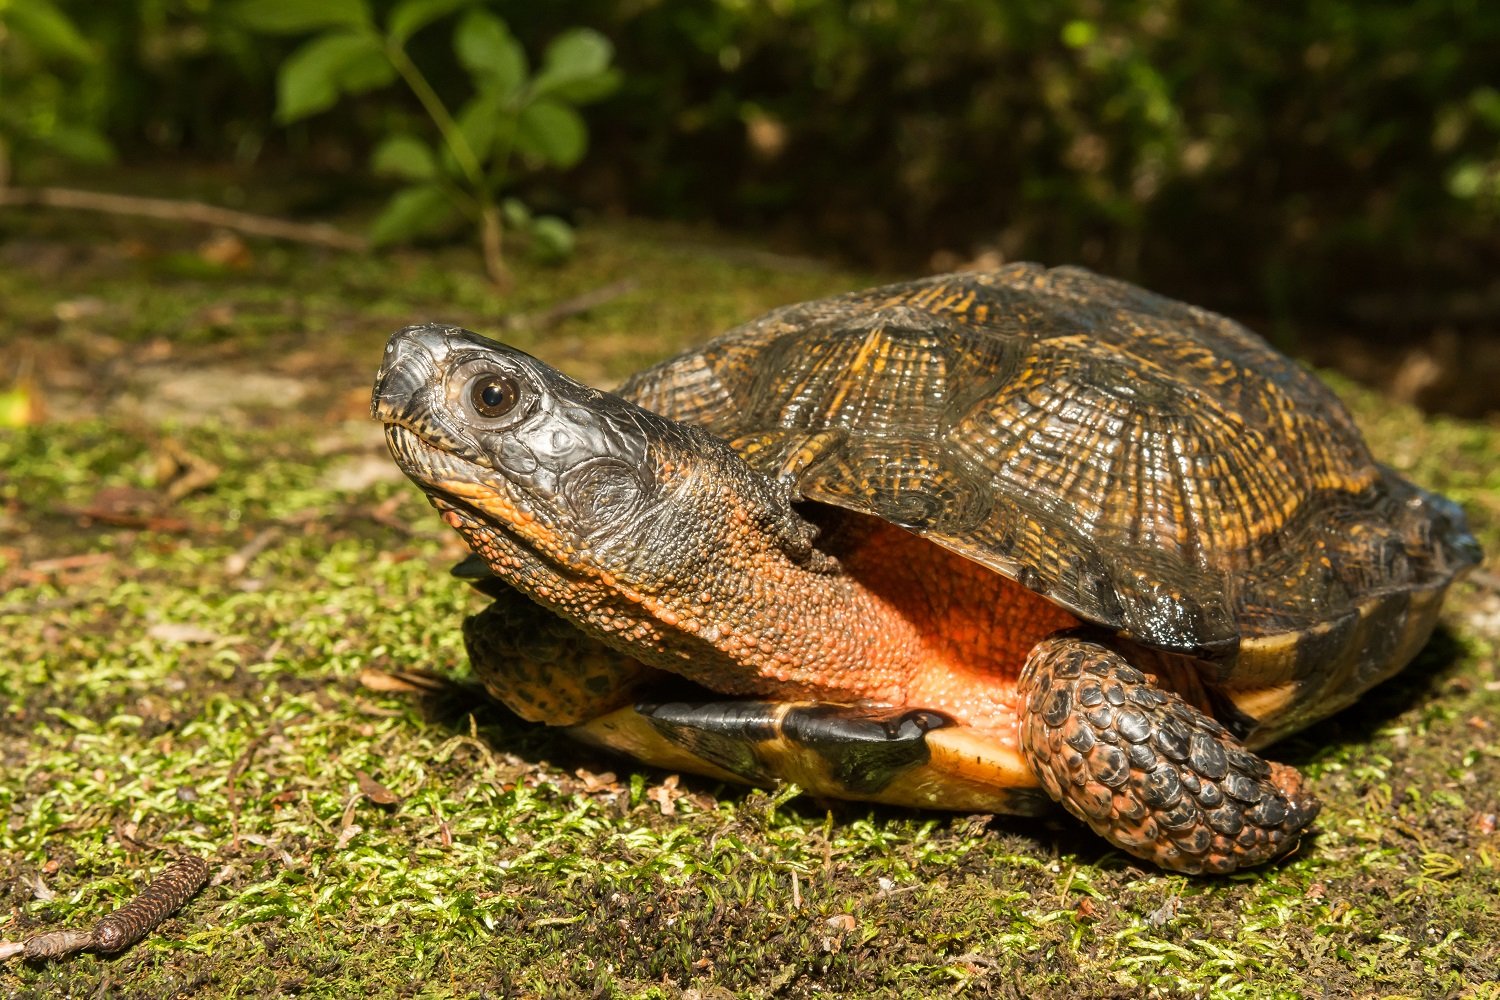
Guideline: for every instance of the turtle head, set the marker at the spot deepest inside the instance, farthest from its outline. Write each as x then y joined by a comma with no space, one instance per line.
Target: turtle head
551,482
514,452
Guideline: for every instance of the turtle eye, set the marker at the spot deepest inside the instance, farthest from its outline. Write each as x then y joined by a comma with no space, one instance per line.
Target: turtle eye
494,395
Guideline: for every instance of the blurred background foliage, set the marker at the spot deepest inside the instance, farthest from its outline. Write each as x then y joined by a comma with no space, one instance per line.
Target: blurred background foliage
1257,157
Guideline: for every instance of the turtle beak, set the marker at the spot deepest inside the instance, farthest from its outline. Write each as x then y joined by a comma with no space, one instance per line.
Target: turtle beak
425,435
410,381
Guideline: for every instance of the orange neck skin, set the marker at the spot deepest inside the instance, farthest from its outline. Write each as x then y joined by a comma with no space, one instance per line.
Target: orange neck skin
900,622
905,622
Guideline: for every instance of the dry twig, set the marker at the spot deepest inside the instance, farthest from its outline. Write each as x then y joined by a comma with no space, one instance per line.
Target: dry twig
318,234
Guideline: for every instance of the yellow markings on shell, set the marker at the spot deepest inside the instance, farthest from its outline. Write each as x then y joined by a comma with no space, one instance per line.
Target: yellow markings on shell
941,297
807,453
1262,703
868,359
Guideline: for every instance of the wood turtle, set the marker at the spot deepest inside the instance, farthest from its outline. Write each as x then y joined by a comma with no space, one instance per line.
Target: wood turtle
976,542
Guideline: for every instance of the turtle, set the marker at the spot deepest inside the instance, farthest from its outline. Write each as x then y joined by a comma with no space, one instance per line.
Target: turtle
983,542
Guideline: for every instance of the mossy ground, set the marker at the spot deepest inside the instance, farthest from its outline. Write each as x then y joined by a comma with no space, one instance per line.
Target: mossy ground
191,674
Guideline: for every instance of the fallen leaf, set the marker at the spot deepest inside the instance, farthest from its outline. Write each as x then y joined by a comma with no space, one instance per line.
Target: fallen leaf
374,790
606,782
180,473
225,249
665,795
39,889
183,633
378,680
20,407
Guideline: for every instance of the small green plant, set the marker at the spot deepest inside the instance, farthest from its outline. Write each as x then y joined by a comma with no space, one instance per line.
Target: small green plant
41,106
517,119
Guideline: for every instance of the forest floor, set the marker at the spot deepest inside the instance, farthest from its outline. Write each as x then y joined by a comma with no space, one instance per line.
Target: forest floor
210,569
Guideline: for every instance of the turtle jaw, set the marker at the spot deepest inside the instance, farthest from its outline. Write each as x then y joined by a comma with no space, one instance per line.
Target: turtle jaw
494,519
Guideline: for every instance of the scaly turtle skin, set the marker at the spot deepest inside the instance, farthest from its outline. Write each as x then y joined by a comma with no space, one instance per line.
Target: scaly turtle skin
983,541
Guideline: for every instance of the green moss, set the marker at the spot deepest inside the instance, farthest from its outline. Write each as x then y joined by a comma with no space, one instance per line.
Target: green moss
190,680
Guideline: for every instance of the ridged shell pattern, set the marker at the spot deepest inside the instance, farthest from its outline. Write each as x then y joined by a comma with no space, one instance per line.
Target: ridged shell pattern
1153,467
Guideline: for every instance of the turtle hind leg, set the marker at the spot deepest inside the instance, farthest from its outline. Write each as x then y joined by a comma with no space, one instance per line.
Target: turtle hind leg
1147,771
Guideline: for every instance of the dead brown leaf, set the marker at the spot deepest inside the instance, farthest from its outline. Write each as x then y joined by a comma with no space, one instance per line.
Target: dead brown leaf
181,473
665,795
374,790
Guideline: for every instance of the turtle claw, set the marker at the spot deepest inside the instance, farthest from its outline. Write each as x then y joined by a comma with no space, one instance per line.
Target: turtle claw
1147,771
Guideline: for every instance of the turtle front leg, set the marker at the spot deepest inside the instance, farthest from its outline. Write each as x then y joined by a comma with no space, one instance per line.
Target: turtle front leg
1147,771
543,668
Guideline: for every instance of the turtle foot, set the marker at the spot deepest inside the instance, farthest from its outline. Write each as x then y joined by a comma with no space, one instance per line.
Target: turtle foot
1147,771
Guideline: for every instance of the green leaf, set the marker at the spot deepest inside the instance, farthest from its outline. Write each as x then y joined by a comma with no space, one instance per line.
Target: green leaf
404,156
411,16
312,77
552,132
577,53
586,89
1486,104
515,213
413,211
1472,180
552,239
293,17
46,29
479,122
1079,34
368,70
80,143
490,53
573,57
17,408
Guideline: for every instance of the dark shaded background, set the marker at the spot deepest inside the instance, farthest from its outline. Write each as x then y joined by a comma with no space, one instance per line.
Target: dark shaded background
1328,170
